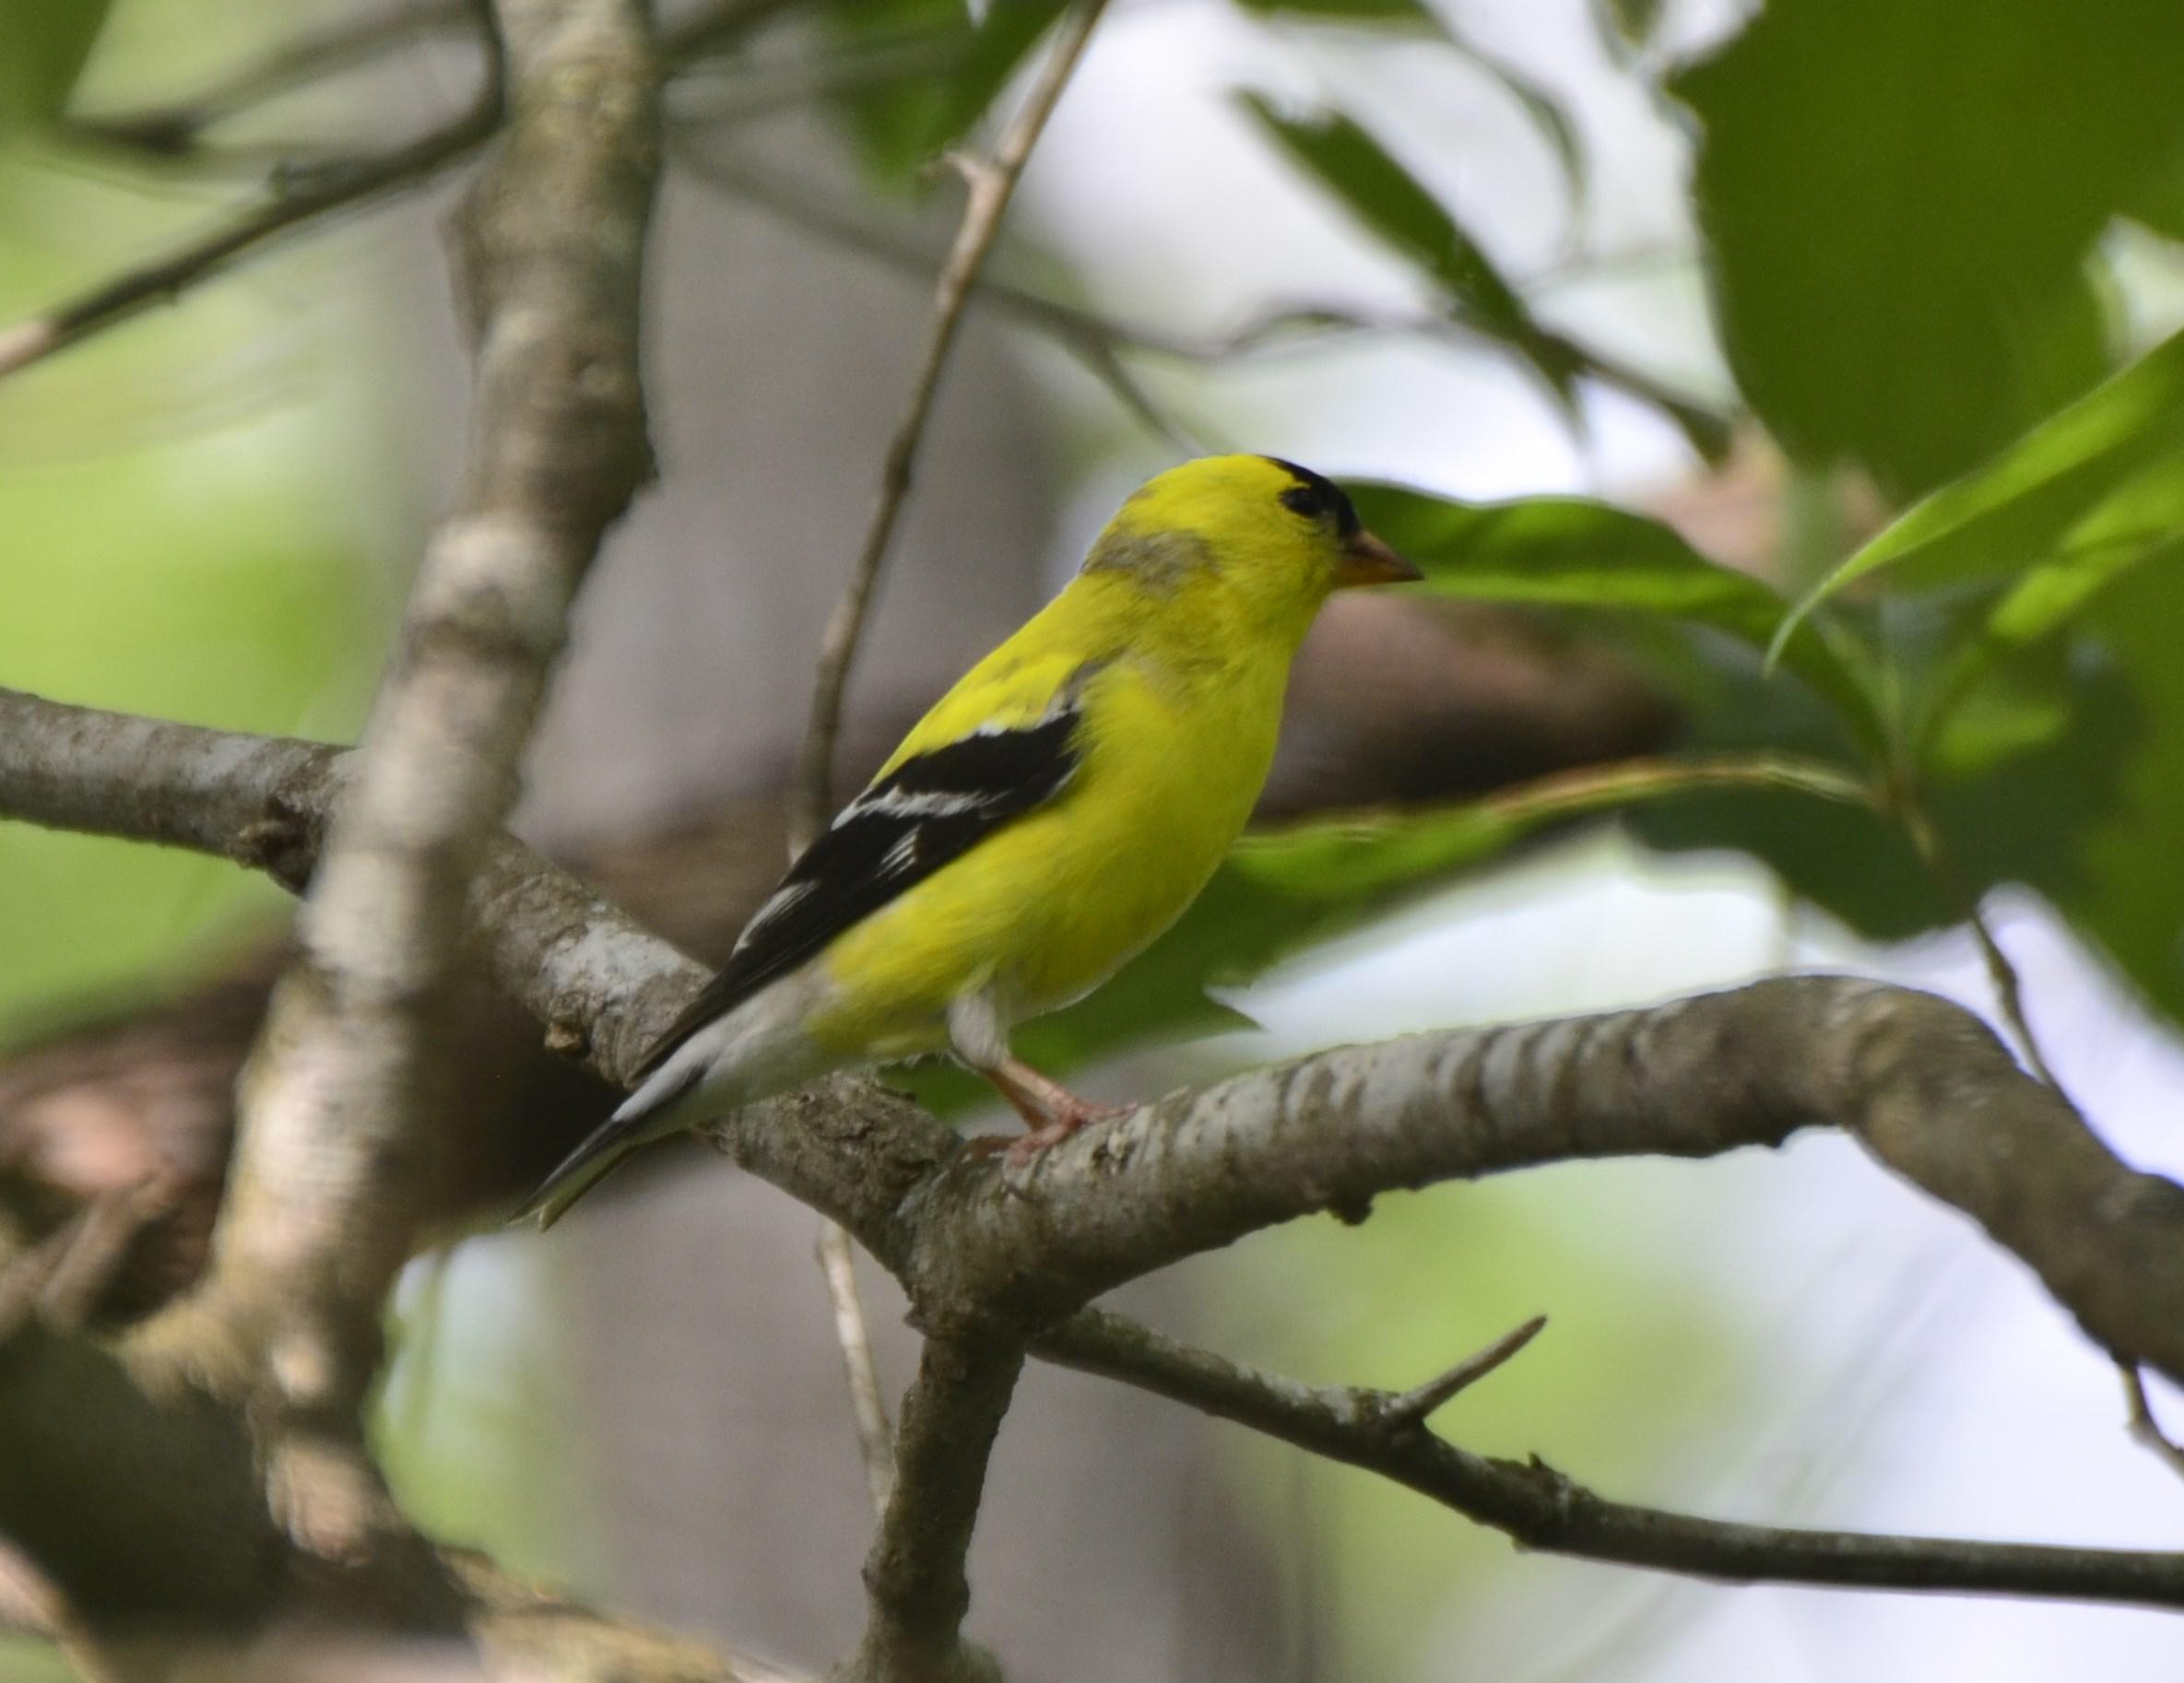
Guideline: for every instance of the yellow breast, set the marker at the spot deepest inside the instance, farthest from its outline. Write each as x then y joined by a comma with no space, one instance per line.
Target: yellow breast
1175,749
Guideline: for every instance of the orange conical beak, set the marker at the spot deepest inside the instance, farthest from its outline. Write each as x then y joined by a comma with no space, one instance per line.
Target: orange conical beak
1367,560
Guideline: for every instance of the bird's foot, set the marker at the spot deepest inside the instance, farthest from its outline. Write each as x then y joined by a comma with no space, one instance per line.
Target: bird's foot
1059,1121
1064,1121
1049,1110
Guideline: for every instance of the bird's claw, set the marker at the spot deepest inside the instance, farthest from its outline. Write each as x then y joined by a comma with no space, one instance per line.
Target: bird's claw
1021,1155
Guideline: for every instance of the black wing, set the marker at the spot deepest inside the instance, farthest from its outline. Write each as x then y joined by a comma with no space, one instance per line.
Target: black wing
926,813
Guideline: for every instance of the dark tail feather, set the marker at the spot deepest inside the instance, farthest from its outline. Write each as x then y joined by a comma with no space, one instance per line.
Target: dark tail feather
636,1122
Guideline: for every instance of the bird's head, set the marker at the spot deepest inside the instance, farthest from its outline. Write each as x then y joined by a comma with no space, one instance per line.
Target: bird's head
1272,537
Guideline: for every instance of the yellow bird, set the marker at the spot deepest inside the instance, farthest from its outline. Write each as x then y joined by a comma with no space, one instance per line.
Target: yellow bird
1056,810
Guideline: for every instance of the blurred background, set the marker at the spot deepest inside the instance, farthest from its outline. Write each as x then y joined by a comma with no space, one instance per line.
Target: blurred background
1723,288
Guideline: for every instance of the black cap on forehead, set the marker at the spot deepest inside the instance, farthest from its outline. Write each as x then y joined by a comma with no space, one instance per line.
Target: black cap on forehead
1316,494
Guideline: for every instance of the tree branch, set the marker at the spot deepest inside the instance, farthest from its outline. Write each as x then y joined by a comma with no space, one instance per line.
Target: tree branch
321,192
341,1113
915,1573
312,194
837,1266
1923,1084
1540,1509
175,129
990,186
1097,340
342,1105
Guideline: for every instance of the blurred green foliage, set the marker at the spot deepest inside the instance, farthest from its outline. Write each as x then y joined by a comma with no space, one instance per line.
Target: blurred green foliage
1900,198
178,510
1393,206
902,125
1904,208
47,43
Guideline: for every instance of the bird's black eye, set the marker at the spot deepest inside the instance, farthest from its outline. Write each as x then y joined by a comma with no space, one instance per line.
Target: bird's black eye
1307,500
1316,496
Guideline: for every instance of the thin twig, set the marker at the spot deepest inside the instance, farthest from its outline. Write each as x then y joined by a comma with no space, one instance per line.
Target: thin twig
990,183
330,188
1540,1509
1095,341
837,1265
1926,841
1413,1406
1294,324
2010,994
726,23
2144,1426
175,129
758,90
310,195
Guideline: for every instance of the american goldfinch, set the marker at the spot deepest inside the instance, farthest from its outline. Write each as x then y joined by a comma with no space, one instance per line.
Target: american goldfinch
1056,810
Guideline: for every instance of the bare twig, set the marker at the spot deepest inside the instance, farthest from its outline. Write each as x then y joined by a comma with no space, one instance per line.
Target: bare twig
2010,994
2143,1427
311,194
1411,1408
1096,339
990,186
1926,840
837,1265
172,130
709,29
330,188
1540,1509
758,90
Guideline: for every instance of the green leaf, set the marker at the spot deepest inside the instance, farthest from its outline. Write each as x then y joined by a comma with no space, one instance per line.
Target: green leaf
2014,509
2156,202
1901,197
902,125
2122,887
43,47
1569,551
1544,111
2016,646
1397,209
1370,853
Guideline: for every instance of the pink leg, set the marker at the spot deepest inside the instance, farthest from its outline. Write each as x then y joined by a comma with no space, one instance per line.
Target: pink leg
1050,1109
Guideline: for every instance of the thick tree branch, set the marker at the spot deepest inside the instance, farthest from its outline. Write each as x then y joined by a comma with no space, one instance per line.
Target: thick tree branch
1923,1084
1540,1509
915,1573
342,1102
341,1115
